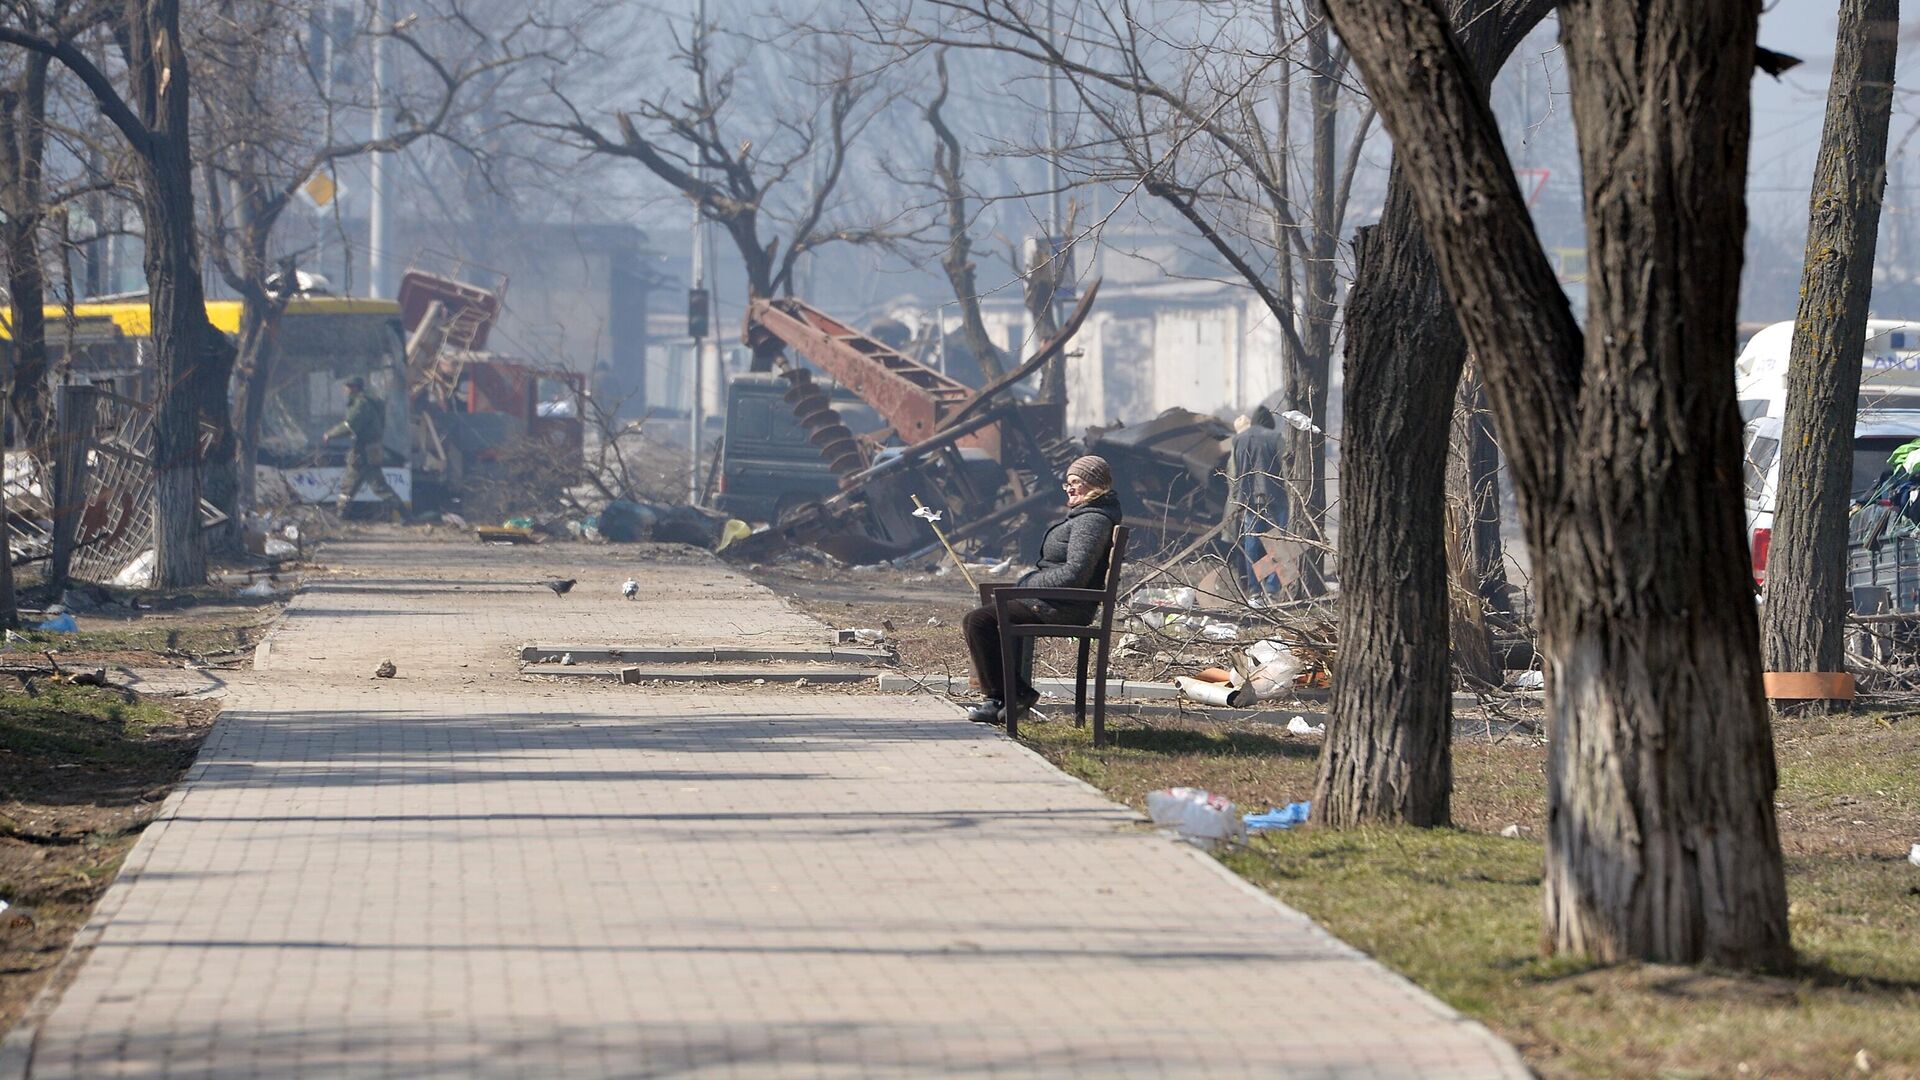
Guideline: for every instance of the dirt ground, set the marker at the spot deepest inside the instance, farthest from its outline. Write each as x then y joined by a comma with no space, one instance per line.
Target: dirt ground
84,769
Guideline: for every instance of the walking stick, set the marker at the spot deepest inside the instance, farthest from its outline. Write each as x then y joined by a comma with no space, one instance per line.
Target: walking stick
932,518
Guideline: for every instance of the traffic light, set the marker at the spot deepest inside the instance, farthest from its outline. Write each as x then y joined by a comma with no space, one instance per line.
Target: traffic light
697,313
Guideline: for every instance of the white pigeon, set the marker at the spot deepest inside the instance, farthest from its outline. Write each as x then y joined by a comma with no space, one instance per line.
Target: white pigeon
630,589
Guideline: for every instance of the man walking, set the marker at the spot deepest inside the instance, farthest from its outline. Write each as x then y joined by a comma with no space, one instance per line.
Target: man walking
1256,503
366,425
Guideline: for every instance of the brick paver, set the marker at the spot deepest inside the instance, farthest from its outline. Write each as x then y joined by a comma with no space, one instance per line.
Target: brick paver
461,872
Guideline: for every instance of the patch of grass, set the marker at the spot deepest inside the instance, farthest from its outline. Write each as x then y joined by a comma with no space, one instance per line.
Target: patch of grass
1458,910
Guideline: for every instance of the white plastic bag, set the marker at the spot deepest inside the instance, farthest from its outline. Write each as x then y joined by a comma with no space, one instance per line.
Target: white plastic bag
1196,814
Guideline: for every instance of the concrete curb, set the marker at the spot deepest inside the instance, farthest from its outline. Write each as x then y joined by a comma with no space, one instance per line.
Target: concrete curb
704,655
632,675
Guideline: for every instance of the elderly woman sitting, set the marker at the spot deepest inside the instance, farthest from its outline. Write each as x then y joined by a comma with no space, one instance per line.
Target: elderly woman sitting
1073,555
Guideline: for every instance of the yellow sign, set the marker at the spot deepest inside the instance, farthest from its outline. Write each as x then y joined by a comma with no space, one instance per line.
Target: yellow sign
320,189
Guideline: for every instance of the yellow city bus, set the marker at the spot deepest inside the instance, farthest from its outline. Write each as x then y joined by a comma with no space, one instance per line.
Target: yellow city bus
322,340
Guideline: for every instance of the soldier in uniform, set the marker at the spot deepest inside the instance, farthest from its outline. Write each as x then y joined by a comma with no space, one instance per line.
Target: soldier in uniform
366,424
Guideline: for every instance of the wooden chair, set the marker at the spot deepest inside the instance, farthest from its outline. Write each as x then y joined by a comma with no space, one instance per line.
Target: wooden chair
1016,639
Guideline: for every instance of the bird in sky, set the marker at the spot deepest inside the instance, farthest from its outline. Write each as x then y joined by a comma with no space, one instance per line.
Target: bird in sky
560,586
630,589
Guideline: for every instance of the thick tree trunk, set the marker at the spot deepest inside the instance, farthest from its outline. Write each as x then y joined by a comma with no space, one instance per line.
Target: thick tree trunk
1662,842
187,349
1387,753
1807,571
23,145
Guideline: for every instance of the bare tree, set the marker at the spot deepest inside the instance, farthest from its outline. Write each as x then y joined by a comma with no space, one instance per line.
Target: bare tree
190,356
269,116
956,258
739,168
1807,570
1624,442
1387,755
1187,118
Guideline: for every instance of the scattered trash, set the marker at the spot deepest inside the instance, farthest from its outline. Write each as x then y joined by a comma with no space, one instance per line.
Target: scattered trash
60,624
15,639
262,587
137,574
1274,668
566,659
276,548
1528,680
453,519
1183,598
1196,814
1212,693
928,514
1514,832
1862,1062
862,635
1302,421
1214,675
504,535
933,620
1299,726
1913,856
801,682
1220,632
1280,817
74,600
630,588
386,670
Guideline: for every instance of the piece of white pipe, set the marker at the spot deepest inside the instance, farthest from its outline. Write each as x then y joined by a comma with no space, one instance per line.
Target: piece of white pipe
1206,693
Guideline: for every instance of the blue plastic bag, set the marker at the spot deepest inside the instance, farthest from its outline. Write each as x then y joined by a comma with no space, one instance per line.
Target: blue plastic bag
1279,818
61,624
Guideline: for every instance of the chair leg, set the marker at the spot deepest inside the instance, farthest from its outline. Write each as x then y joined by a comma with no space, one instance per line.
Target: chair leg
1080,686
1100,695
1009,679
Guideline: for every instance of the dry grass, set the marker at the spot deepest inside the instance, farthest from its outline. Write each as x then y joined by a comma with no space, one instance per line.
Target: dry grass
1458,910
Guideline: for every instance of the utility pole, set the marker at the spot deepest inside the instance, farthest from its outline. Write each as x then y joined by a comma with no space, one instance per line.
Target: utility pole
1056,219
377,167
697,310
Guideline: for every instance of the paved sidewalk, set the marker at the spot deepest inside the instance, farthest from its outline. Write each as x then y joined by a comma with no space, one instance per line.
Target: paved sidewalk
461,872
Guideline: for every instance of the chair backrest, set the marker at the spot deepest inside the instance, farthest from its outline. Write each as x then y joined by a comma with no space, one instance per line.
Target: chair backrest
1114,558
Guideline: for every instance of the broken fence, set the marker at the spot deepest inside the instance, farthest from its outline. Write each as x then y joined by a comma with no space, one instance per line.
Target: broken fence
102,450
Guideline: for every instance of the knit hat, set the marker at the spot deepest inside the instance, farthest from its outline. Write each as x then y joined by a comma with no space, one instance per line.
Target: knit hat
1094,470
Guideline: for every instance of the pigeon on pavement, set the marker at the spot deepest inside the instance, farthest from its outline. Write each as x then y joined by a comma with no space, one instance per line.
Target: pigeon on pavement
630,589
559,586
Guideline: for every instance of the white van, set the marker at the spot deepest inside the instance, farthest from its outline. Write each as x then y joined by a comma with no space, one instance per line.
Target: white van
1889,415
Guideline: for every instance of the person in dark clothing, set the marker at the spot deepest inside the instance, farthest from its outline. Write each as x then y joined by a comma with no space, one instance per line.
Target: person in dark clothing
1256,502
1073,555
366,425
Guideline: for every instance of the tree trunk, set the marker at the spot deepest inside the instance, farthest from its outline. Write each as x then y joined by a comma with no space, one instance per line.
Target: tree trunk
1488,546
1303,458
259,335
1806,605
22,145
187,349
1387,753
1624,444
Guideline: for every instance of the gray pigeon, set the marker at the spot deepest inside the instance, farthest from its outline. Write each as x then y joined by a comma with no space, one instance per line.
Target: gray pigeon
560,587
